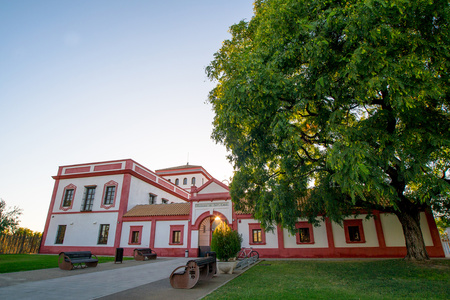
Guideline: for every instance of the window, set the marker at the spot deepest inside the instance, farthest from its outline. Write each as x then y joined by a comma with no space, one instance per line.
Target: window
60,234
257,234
68,197
177,181
109,195
184,181
135,235
88,201
152,199
176,234
354,232
103,234
170,180
305,234
164,201
193,181
176,237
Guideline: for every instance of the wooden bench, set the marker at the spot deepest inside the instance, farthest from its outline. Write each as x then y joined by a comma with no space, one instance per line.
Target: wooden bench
144,253
78,259
193,271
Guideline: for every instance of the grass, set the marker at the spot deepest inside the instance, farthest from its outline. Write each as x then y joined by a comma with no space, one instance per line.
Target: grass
27,262
314,279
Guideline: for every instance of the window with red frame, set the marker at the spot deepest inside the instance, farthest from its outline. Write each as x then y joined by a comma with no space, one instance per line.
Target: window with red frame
176,234
304,234
135,235
354,232
257,234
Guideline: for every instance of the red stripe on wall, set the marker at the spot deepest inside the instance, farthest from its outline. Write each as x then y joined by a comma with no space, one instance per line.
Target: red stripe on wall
77,170
108,167
165,184
145,173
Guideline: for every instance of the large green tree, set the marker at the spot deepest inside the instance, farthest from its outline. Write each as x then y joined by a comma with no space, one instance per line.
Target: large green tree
330,105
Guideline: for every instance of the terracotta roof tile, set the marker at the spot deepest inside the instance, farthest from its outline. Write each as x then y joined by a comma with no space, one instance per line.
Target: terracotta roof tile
174,209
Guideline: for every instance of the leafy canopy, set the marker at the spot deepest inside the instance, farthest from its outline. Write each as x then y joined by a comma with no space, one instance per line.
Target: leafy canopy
325,105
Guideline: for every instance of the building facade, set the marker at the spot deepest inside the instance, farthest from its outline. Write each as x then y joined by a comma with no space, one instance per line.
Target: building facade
122,204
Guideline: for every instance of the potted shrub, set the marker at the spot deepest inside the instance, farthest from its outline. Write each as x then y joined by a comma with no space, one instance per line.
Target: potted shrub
226,243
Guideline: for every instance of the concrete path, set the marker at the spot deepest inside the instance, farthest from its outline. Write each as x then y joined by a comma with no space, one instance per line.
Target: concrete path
131,279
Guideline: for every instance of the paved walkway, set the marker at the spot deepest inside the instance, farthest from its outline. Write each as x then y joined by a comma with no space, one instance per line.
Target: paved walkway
131,279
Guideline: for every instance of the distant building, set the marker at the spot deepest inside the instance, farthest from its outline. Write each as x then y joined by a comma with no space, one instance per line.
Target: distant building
122,204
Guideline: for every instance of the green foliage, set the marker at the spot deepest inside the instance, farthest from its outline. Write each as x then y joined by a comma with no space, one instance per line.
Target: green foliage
9,218
27,232
442,224
27,262
225,242
363,279
328,105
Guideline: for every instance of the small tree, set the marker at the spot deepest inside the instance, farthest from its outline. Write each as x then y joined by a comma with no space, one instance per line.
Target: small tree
9,219
225,242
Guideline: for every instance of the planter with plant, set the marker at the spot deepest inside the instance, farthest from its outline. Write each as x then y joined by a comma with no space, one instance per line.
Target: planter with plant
226,243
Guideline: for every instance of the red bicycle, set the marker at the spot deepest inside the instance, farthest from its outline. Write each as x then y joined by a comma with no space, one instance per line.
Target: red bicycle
247,253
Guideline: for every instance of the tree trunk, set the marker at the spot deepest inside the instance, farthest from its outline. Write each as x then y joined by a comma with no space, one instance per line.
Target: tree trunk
415,246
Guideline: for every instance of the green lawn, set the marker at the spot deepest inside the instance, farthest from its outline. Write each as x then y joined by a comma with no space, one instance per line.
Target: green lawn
26,262
319,279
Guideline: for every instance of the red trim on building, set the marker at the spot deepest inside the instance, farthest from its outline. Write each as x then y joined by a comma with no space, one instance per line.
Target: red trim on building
379,229
280,238
355,223
122,208
49,215
207,214
108,167
213,180
330,237
68,187
256,226
211,196
152,232
145,173
174,228
435,237
130,236
108,184
77,170
304,224
163,182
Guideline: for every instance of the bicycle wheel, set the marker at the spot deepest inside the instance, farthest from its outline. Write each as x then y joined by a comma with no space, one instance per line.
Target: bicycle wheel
254,253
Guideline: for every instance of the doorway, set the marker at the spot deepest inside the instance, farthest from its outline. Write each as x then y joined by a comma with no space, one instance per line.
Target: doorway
205,234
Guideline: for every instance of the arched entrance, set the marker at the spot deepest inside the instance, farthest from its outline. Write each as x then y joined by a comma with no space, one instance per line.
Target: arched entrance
205,231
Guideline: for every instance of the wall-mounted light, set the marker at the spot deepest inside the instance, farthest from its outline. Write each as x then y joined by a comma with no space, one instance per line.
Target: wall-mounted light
71,223
94,223
217,218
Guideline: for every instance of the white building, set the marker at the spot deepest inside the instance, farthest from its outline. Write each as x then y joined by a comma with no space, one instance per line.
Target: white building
121,204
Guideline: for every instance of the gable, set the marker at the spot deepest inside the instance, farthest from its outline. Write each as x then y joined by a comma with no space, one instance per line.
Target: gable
213,187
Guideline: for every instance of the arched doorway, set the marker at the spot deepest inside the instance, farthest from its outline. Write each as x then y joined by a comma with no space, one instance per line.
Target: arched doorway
206,229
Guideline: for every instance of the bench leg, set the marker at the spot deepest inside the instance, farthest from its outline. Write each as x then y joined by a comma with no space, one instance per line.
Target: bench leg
188,279
64,265
91,264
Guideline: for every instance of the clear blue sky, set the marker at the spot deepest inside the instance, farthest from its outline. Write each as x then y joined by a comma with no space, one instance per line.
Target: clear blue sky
87,81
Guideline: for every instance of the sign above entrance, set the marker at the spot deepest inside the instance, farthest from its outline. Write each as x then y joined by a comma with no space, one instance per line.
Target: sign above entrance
222,204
